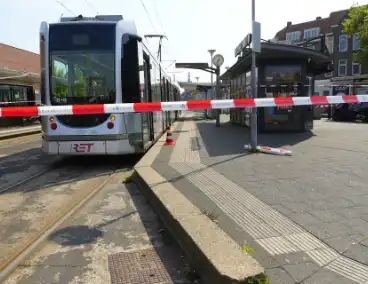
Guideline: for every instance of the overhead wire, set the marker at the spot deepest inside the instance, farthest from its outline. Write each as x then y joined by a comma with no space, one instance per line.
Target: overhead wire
159,18
65,7
148,16
91,6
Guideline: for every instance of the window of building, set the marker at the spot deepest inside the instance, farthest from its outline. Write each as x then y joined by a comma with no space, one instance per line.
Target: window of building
330,44
343,43
330,74
356,42
327,75
293,36
342,67
356,69
309,33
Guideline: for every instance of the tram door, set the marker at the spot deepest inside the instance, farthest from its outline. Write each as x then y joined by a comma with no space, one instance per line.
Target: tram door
147,117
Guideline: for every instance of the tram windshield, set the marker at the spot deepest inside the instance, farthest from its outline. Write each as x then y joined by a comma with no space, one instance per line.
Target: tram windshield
82,63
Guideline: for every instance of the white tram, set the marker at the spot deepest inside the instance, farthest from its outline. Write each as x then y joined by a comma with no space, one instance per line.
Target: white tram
100,60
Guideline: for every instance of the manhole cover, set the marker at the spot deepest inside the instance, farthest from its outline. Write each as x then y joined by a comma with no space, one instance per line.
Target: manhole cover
138,267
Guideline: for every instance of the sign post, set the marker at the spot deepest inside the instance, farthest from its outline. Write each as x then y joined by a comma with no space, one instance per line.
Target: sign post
218,60
256,47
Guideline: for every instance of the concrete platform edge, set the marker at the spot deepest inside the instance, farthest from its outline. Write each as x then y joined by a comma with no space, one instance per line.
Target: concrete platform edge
19,133
218,258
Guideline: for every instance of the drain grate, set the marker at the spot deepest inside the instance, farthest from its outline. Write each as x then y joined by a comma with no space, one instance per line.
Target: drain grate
138,267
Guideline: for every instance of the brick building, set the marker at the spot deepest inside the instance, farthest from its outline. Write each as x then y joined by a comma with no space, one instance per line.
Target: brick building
340,46
19,67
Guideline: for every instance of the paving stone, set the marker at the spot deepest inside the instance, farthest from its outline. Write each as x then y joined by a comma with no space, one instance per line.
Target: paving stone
325,276
355,223
279,276
317,230
337,229
352,212
364,217
304,218
301,271
327,215
358,252
341,201
318,204
282,209
358,199
292,258
342,244
296,207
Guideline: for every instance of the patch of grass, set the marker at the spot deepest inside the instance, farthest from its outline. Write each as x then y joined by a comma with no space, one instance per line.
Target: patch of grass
128,180
258,279
246,248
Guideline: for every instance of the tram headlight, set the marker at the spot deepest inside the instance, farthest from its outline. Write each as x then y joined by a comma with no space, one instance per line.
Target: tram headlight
112,118
52,119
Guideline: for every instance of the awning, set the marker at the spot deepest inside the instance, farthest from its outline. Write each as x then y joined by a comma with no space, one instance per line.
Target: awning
320,61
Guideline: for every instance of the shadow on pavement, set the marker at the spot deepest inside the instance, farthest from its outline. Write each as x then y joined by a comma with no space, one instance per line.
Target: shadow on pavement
80,235
230,139
70,169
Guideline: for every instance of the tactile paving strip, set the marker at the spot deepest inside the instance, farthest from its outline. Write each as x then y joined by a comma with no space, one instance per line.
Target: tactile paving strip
138,267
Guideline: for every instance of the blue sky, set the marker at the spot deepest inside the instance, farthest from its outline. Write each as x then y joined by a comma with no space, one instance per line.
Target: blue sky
192,26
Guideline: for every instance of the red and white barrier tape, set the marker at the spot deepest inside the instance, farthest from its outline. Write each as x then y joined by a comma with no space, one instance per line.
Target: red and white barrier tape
271,150
333,85
183,105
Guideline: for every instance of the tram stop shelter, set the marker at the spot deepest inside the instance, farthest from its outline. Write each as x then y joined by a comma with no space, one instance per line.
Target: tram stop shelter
283,70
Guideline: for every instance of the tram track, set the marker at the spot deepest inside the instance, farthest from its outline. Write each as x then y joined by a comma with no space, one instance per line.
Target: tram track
40,204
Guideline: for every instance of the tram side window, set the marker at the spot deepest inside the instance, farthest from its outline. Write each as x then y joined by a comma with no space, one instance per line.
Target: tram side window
130,70
4,93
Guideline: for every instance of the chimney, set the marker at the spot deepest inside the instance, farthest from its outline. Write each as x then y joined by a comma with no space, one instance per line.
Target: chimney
288,24
318,18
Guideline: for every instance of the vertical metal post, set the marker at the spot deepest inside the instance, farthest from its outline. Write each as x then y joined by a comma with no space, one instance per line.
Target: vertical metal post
253,129
218,111
211,51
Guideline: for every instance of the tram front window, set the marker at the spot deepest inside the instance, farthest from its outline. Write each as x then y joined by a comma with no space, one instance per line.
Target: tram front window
82,63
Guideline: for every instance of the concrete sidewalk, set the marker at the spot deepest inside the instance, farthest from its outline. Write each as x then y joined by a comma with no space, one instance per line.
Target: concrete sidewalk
303,218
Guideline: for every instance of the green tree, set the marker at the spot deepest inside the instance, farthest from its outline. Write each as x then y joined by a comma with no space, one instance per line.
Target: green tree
61,88
357,23
81,83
